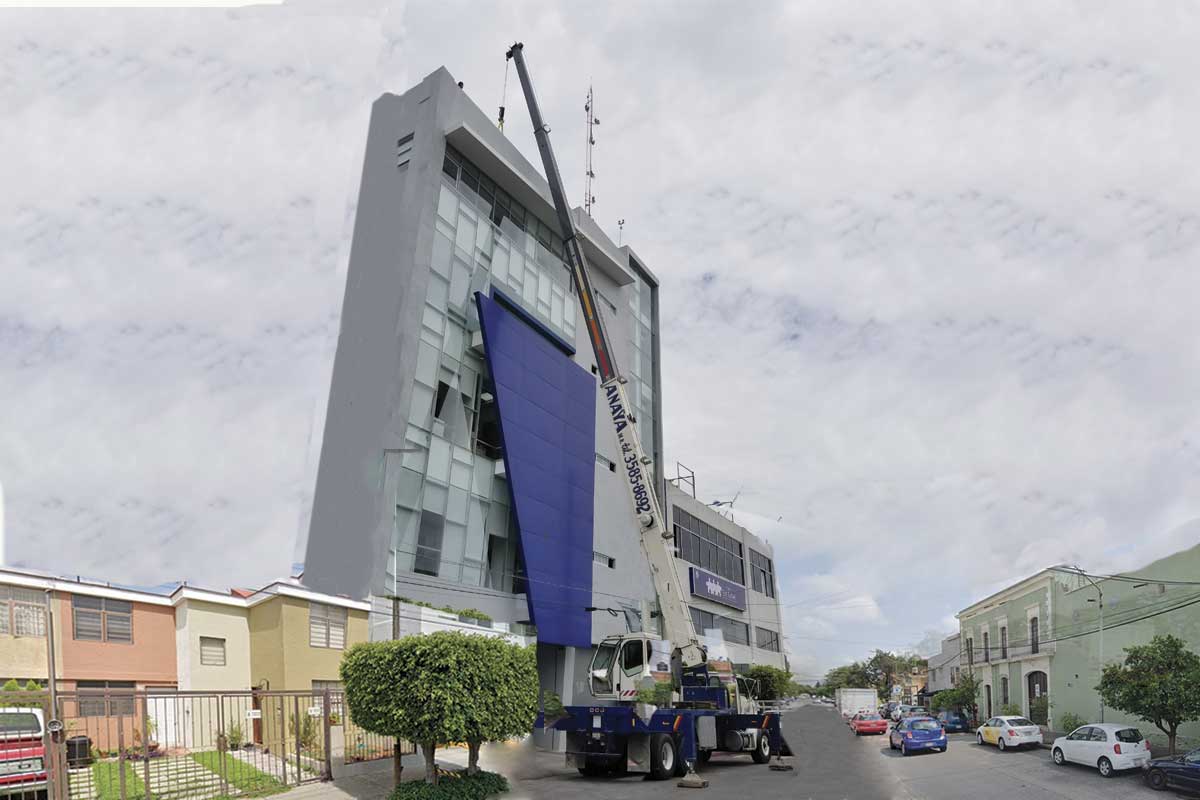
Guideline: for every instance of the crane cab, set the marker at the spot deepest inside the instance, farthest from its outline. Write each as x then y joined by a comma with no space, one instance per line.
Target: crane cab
623,664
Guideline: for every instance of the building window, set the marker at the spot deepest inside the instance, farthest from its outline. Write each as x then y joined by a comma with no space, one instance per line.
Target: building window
1033,635
708,548
603,560
335,690
93,703
326,626
987,651
762,573
1003,690
1004,642
212,651
970,652
404,146
766,639
102,619
494,202
731,629
429,543
22,611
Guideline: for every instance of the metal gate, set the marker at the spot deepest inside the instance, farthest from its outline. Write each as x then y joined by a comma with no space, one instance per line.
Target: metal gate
170,745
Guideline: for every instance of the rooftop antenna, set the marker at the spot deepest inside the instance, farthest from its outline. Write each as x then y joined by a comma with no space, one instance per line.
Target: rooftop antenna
589,199
620,231
726,505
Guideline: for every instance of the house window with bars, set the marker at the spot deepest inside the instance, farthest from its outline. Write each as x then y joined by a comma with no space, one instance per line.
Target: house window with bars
212,651
22,611
327,626
119,702
102,619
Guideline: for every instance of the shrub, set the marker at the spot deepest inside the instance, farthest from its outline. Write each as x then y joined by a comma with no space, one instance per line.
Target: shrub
1069,722
1010,710
235,736
1039,710
453,786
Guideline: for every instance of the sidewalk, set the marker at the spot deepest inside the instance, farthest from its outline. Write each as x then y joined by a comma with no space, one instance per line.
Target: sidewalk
518,761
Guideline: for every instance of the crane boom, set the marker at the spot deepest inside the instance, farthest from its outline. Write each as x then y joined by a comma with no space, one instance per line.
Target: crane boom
655,538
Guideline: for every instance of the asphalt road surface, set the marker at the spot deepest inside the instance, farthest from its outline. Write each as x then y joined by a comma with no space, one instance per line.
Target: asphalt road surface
831,763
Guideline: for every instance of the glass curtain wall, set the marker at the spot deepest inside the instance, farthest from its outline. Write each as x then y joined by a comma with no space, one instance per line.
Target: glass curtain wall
452,518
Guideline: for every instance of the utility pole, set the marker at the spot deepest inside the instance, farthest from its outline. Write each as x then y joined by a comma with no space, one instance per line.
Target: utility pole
57,786
397,748
1100,602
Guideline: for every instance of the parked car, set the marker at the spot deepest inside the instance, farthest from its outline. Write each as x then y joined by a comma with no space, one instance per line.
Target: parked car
22,755
1174,772
868,723
1106,746
917,733
953,722
1006,732
916,711
899,711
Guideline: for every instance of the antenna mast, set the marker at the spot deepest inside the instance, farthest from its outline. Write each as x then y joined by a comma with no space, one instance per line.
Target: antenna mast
589,199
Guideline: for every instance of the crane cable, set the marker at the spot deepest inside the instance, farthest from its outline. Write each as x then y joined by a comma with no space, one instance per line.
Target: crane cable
503,98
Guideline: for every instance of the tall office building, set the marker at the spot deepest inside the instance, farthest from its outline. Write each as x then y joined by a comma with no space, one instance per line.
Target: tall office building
467,459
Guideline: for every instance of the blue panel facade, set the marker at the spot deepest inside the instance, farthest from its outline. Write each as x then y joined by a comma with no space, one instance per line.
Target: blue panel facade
547,409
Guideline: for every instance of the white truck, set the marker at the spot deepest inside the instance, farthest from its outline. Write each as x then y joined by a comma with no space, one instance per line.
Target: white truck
854,701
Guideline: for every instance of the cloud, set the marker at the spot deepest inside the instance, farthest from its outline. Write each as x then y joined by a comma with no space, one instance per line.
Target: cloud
923,275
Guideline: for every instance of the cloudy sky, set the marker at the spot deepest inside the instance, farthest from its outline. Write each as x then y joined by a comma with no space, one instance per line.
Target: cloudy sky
925,275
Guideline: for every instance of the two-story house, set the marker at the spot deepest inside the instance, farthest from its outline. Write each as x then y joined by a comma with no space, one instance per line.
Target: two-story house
1003,644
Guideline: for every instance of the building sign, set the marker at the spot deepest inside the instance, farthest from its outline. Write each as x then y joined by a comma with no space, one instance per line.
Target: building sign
719,590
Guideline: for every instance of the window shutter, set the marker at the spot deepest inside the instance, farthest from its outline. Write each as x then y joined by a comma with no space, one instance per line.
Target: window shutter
118,627
318,627
337,628
212,651
88,625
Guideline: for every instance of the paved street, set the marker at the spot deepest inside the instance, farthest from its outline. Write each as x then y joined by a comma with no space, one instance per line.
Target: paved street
831,763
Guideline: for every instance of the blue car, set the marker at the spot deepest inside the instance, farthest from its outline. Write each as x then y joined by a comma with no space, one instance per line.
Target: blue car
953,722
917,733
1176,772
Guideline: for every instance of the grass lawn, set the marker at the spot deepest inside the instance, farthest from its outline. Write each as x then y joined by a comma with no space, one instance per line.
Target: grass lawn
106,780
250,781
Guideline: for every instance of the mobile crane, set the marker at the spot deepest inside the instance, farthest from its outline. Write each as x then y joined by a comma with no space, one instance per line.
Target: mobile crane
710,709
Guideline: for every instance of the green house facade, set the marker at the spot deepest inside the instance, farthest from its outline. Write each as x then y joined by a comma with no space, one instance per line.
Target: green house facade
1042,635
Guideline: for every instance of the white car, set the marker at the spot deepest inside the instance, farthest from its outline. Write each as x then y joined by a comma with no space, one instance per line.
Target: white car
1106,746
1006,732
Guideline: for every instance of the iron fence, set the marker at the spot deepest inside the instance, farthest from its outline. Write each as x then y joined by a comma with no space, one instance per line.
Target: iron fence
175,745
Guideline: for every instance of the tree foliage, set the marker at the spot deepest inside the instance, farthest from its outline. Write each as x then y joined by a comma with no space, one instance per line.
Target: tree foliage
441,688
881,672
773,682
1159,682
963,697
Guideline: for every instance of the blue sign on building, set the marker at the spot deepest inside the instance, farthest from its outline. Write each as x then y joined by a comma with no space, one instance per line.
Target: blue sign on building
711,587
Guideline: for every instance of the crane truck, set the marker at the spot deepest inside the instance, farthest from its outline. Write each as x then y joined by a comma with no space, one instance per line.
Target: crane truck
710,709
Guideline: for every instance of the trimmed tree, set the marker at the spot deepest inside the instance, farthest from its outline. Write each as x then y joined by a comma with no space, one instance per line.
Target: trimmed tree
507,696
1159,682
441,688
773,683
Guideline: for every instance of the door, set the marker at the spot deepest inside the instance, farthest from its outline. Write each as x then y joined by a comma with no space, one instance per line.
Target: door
987,693
1076,746
989,731
1035,687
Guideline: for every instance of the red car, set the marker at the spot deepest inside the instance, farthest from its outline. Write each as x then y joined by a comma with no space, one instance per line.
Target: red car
22,756
868,723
